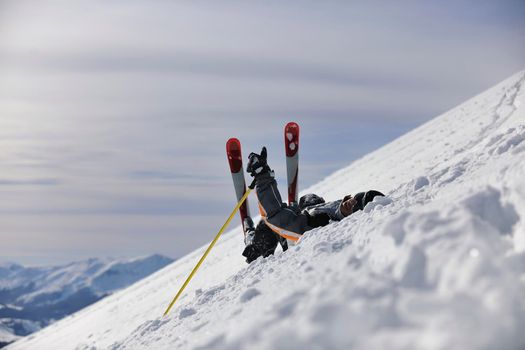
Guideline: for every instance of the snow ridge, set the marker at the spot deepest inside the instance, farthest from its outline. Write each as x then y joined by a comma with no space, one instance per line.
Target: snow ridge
437,264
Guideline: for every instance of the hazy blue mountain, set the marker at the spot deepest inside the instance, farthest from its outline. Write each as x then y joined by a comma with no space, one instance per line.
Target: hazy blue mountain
33,297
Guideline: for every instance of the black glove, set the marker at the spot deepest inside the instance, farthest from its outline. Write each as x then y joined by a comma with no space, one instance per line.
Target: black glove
257,164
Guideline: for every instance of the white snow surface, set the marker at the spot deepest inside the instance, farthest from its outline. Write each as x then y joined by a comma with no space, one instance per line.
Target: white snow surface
437,264
6,335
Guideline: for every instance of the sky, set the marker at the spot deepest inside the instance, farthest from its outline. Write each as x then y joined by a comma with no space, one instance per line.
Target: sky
114,114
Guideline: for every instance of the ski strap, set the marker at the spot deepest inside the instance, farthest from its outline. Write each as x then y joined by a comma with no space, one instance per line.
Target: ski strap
241,201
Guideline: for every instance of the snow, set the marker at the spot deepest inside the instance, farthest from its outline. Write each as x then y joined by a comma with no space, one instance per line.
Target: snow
437,264
12,329
6,335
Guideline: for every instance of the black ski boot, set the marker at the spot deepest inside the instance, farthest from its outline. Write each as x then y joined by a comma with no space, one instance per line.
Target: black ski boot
259,242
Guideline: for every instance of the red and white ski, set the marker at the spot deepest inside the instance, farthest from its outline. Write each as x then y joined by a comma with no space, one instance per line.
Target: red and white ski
233,151
291,143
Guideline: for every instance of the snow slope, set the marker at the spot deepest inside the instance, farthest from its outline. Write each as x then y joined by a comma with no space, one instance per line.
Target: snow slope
33,297
439,264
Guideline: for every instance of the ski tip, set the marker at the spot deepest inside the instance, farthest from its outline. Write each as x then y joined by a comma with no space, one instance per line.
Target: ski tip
233,151
291,138
292,126
233,144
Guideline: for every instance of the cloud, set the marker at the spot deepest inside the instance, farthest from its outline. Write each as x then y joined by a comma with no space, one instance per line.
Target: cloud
30,182
115,114
206,64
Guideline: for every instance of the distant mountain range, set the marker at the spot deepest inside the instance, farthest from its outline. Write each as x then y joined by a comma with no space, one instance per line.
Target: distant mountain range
33,297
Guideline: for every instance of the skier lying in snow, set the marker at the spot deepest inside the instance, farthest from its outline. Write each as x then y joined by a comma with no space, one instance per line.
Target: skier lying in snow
279,221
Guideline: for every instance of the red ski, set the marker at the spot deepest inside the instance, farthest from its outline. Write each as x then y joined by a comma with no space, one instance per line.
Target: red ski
291,143
233,151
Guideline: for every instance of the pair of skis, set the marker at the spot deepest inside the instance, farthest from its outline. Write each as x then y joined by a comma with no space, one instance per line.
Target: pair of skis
291,143
233,149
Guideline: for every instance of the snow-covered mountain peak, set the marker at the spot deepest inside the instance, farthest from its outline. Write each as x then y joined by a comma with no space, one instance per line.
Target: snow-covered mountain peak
7,268
438,264
90,273
32,297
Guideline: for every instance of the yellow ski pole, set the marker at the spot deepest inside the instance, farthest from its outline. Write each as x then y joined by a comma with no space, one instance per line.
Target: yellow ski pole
208,250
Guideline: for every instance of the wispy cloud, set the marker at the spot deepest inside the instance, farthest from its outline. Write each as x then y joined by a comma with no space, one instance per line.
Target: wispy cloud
219,65
30,182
